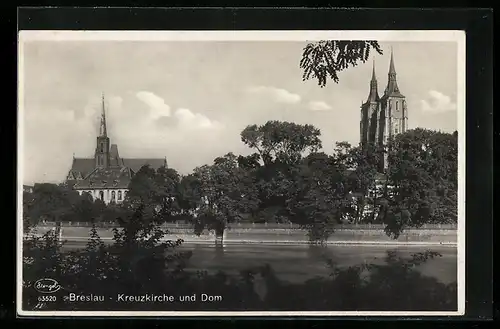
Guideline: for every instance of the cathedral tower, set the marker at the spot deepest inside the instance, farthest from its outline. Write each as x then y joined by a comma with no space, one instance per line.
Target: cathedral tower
394,106
102,147
370,112
385,117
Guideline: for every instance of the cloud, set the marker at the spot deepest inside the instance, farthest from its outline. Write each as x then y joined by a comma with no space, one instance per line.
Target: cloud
156,104
277,94
183,118
189,120
319,106
437,102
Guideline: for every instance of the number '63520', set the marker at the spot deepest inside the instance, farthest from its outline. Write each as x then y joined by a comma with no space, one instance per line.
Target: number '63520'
47,298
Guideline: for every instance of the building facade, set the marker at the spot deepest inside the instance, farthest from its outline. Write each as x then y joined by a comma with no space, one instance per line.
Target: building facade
28,188
384,117
106,176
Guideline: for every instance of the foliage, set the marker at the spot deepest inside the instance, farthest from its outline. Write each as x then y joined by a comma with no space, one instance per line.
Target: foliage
50,202
221,193
28,221
361,165
138,260
42,258
137,267
422,172
294,184
318,196
281,147
281,141
325,59
158,190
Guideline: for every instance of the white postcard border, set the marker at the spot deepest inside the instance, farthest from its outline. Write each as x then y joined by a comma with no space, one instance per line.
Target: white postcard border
186,36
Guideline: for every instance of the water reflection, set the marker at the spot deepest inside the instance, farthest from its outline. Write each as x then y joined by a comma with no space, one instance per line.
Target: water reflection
219,251
301,262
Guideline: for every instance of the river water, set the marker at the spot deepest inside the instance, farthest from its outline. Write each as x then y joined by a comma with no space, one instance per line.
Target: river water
301,262
297,263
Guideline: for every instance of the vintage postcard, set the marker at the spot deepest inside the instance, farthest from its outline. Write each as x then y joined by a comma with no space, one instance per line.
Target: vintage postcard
241,173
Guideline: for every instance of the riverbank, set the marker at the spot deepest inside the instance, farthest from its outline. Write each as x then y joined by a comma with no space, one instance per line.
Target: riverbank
344,236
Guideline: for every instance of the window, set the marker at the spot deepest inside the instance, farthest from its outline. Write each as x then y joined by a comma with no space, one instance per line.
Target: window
102,147
396,131
119,195
113,195
397,107
101,195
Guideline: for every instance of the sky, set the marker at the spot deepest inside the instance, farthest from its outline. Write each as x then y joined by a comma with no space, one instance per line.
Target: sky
189,101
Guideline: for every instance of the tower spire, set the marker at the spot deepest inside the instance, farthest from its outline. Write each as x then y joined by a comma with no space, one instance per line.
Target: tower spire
374,77
392,69
373,96
103,130
392,84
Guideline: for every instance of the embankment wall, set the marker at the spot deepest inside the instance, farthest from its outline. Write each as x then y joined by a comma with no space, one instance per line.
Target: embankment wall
354,234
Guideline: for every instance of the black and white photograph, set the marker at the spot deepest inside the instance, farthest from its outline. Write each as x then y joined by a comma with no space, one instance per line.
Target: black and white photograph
241,173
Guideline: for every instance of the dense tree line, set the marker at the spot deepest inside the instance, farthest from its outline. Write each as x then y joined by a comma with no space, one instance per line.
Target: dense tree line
287,179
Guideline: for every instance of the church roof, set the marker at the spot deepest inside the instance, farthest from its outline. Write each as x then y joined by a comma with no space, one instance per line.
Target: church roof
136,164
104,178
83,166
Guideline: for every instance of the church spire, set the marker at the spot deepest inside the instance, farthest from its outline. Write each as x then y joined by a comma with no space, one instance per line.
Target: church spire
103,130
392,69
392,84
374,77
373,96
102,156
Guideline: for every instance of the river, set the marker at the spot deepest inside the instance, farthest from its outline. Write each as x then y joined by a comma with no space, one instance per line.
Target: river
301,262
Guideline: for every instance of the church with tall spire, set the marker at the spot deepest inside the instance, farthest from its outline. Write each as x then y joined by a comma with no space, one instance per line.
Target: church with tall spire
383,117
106,176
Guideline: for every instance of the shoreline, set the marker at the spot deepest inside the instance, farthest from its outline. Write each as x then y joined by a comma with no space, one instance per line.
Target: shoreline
294,242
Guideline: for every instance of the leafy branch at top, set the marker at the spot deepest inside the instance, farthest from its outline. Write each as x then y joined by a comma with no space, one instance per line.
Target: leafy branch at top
325,59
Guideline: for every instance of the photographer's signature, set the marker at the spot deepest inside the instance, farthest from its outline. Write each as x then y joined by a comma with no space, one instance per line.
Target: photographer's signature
47,286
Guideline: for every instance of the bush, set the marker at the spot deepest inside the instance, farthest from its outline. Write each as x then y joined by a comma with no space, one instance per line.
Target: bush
146,267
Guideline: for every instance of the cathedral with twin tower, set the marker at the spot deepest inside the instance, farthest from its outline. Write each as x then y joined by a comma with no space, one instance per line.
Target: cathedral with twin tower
384,117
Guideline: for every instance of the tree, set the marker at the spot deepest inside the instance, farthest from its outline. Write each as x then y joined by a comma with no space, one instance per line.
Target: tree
28,222
222,193
50,202
284,142
422,174
319,196
85,209
280,146
361,166
157,191
325,59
